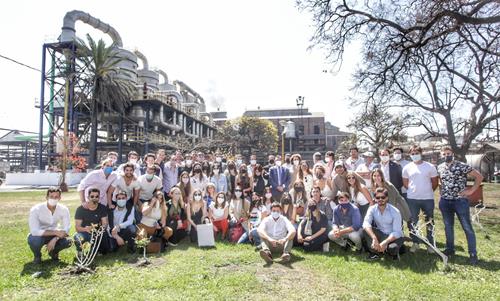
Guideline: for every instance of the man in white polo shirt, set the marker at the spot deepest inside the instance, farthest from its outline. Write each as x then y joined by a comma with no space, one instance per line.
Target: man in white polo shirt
49,224
420,178
276,233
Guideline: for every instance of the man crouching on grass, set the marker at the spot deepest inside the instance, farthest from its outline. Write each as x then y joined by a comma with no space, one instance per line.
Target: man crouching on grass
43,223
276,233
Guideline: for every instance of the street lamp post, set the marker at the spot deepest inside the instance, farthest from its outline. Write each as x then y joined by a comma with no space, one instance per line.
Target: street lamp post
300,105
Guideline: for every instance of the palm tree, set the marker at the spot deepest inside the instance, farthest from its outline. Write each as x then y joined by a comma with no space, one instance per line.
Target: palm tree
108,90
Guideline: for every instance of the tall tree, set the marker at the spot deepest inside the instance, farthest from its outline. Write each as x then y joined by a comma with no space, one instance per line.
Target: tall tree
438,59
377,127
109,91
249,134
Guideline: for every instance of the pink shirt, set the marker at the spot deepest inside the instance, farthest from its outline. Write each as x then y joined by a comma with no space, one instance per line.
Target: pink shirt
97,179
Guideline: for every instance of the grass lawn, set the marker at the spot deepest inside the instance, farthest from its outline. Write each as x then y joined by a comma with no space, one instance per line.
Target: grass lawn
236,272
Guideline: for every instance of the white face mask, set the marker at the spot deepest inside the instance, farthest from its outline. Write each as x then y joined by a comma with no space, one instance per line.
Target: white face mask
133,161
397,157
121,203
237,194
220,201
216,171
185,180
253,162
52,202
275,214
416,158
239,161
269,195
327,159
278,163
385,159
197,197
218,159
296,162
189,162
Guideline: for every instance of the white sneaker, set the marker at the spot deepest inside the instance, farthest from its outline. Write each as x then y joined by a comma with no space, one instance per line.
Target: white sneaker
326,247
414,247
430,250
172,244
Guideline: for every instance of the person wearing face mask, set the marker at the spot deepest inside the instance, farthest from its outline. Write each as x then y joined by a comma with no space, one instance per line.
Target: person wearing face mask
177,216
149,184
420,178
259,182
276,233
127,183
196,213
185,186
154,218
100,179
288,162
324,204
279,179
305,175
206,168
257,212
393,172
270,163
86,217
218,213
239,208
231,173
198,179
398,157
239,160
121,223
317,159
312,232
252,165
294,168
299,201
455,200
218,178
49,224
322,182
387,235
346,225
132,158
186,165
268,198
244,181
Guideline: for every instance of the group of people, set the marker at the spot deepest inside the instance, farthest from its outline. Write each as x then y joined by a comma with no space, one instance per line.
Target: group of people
287,202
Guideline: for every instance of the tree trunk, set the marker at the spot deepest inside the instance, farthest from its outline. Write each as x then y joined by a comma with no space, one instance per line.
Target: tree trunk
93,135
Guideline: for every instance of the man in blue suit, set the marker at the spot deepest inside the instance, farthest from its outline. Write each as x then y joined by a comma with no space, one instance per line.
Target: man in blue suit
392,171
279,179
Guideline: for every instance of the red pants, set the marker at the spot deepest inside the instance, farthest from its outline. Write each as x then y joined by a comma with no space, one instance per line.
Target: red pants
221,225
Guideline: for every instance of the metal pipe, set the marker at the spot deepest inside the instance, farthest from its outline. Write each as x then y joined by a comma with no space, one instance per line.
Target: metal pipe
68,29
163,74
42,104
172,127
142,57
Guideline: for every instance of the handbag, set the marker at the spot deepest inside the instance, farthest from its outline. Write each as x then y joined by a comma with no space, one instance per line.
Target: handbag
205,234
236,232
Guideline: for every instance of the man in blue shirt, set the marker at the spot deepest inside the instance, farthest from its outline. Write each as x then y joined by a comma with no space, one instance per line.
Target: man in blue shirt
346,224
387,236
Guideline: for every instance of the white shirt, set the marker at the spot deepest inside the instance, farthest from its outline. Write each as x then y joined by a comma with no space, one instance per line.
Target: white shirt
42,219
119,215
364,168
385,170
353,164
120,184
97,179
360,198
276,229
152,218
148,188
419,180
217,212
197,184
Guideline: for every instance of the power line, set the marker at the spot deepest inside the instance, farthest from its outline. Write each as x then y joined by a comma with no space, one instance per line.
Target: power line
19,63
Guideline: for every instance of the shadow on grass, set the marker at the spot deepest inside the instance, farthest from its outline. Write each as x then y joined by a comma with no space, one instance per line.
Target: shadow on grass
43,270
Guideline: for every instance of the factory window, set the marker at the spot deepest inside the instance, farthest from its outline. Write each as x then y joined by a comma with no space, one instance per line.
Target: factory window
301,130
316,130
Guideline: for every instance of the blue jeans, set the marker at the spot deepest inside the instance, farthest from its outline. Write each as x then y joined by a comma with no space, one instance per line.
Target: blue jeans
427,206
246,237
461,208
37,242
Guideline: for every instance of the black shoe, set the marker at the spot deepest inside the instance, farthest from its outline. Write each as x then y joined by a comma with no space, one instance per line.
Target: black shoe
448,252
54,256
37,260
373,256
473,260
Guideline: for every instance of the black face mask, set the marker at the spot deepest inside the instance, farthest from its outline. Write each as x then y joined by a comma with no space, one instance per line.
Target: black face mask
312,208
197,170
286,201
271,161
299,189
224,160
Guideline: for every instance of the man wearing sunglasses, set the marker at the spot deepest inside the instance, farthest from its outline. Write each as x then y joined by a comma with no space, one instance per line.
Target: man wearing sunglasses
387,236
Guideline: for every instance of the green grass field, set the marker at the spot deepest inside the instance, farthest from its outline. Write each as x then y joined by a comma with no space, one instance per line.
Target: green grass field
236,272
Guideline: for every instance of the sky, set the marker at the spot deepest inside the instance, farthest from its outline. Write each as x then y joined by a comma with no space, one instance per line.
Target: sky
236,54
